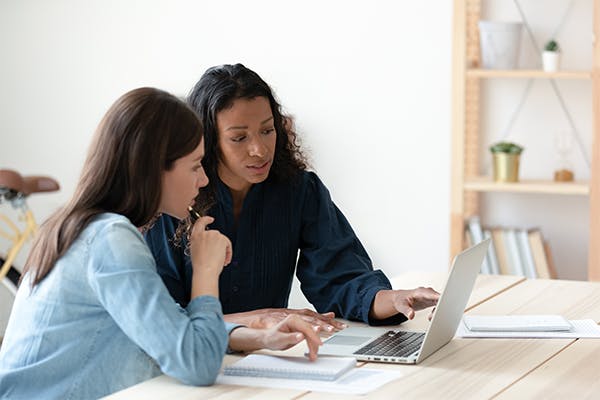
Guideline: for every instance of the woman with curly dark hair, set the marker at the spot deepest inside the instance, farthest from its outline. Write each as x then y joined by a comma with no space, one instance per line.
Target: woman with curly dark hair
279,217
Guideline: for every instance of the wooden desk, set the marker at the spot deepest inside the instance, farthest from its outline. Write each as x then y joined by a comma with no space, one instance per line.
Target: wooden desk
464,368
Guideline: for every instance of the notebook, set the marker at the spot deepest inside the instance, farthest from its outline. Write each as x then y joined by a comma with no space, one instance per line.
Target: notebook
517,323
265,366
397,346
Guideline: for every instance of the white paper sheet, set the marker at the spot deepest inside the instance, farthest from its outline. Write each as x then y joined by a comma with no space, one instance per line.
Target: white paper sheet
356,381
585,328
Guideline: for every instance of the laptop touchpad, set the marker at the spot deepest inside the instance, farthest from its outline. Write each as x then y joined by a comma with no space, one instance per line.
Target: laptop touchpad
347,340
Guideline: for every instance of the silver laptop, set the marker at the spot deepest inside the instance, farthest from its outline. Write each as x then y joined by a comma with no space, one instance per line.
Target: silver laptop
396,346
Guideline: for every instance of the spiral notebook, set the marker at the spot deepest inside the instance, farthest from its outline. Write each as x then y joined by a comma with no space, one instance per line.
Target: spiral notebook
265,366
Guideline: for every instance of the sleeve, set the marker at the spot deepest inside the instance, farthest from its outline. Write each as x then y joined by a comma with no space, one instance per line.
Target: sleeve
187,344
171,263
334,270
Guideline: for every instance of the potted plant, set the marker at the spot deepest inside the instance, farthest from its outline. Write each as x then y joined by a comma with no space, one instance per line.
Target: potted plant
506,161
551,56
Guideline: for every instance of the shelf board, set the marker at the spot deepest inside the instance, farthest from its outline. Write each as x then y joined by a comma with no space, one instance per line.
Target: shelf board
527,73
486,184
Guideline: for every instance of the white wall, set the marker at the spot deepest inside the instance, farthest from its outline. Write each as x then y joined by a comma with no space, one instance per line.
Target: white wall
368,83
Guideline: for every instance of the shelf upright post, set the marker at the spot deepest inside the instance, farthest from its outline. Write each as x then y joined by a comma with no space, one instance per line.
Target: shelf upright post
465,117
594,244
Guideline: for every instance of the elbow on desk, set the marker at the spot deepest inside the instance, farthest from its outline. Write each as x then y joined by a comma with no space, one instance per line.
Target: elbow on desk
201,366
205,378
203,372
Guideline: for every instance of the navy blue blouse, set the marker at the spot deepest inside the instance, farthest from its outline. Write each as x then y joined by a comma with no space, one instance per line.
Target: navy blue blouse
276,221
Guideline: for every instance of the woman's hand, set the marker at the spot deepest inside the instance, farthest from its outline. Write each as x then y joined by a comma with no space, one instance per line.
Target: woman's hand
287,333
391,302
268,317
210,251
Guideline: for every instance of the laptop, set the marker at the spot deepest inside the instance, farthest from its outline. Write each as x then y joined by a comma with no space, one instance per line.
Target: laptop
404,347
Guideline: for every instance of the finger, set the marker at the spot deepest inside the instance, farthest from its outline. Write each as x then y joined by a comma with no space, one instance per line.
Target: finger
287,340
293,323
201,224
318,323
324,320
228,251
408,312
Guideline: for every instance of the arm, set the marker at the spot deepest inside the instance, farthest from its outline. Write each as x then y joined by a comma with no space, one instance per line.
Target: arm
334,269
390,302
186,344
285,334
269,317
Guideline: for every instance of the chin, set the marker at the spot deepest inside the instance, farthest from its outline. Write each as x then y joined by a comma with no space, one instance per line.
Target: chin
177,215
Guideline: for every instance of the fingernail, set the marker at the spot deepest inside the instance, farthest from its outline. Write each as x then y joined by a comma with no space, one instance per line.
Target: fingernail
299,336
329,328
316,328
344,326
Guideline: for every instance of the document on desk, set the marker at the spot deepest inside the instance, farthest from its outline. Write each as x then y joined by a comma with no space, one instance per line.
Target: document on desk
585,328
356,381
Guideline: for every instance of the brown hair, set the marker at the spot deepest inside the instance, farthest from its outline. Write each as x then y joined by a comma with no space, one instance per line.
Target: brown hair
139,138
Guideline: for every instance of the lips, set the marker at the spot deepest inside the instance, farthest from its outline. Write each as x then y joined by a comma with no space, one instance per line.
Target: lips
260,168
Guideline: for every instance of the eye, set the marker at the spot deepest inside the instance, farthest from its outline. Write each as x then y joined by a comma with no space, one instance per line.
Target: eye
198,167
238,139
268,131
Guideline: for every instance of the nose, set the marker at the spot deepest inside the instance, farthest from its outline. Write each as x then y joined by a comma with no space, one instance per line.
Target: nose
202,180
256,148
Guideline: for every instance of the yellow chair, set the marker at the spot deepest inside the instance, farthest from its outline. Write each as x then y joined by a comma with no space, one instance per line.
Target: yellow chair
14,189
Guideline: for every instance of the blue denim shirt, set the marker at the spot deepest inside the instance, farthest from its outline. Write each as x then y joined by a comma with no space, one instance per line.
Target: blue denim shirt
103,320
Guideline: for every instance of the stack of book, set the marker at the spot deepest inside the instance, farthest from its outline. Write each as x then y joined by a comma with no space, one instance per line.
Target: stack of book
512,251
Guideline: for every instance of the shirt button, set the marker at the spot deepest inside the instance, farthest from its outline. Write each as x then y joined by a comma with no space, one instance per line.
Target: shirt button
235,288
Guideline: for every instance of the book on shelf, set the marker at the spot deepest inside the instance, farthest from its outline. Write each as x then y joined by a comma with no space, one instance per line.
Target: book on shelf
538,251
550,259
501,253
527,261
493,257
476,233
513,251
266,366
512,248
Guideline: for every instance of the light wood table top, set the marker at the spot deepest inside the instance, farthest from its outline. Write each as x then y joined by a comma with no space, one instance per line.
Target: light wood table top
464,368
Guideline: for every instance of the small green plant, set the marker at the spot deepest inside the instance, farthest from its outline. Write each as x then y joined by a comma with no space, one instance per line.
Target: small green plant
506,147
552,45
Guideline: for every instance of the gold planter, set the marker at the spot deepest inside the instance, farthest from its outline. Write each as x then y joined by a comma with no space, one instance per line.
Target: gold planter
506,167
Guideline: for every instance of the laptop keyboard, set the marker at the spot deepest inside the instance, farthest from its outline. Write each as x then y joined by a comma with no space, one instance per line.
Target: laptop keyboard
393,344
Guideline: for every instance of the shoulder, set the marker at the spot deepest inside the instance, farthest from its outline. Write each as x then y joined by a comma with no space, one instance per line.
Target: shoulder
110,225
313,185
112,237
306,180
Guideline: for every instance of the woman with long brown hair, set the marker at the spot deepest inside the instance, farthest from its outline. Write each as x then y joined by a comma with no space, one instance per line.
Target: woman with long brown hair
92,315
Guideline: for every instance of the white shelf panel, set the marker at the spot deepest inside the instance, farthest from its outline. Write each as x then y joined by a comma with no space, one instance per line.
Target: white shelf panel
486,184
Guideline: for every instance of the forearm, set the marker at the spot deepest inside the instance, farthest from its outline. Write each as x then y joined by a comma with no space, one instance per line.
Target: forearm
383,305
243,318
205,283
246,339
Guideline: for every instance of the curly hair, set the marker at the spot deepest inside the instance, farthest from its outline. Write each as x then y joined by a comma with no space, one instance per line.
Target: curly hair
216,91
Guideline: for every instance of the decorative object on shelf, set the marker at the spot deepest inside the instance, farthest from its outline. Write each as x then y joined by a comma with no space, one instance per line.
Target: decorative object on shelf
506,161
564,169
551,56
500,42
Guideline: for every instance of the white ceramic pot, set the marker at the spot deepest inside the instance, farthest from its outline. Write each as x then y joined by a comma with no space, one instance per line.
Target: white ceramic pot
551,61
